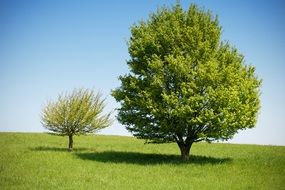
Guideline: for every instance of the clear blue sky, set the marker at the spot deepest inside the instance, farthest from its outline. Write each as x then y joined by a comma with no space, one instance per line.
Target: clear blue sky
51,46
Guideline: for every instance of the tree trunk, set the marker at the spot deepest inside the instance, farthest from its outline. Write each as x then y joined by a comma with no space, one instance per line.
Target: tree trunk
185,150
70,144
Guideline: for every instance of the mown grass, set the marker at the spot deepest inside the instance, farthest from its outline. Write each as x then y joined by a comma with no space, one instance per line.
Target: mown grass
41,161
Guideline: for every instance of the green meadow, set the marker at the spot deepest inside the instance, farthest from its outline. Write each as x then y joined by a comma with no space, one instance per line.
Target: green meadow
42,161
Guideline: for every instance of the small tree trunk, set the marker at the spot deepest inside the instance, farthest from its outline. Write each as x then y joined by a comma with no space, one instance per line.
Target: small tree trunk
185,150
70,144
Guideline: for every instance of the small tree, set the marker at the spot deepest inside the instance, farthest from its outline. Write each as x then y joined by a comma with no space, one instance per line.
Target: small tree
77,113
185,85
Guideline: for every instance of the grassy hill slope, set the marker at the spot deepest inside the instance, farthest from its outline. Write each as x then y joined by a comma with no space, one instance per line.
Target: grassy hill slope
41,161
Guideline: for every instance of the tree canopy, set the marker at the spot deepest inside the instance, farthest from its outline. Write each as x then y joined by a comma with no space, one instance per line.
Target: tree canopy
185,85
77,113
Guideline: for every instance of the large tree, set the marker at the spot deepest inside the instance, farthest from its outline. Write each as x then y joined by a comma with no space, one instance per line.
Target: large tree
185,85
76,113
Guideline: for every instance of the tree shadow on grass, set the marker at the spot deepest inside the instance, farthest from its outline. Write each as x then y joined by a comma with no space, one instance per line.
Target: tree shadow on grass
57,149
148,159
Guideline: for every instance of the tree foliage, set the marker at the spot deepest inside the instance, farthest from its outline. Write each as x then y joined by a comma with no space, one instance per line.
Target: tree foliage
77,113
185,85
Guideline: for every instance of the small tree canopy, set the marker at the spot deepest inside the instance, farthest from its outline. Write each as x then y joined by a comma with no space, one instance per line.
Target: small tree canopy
77,113
185,85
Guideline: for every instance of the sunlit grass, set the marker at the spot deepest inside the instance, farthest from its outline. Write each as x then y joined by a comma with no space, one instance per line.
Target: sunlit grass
41,161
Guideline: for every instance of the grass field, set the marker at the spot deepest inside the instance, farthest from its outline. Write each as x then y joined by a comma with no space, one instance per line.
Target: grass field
41,161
